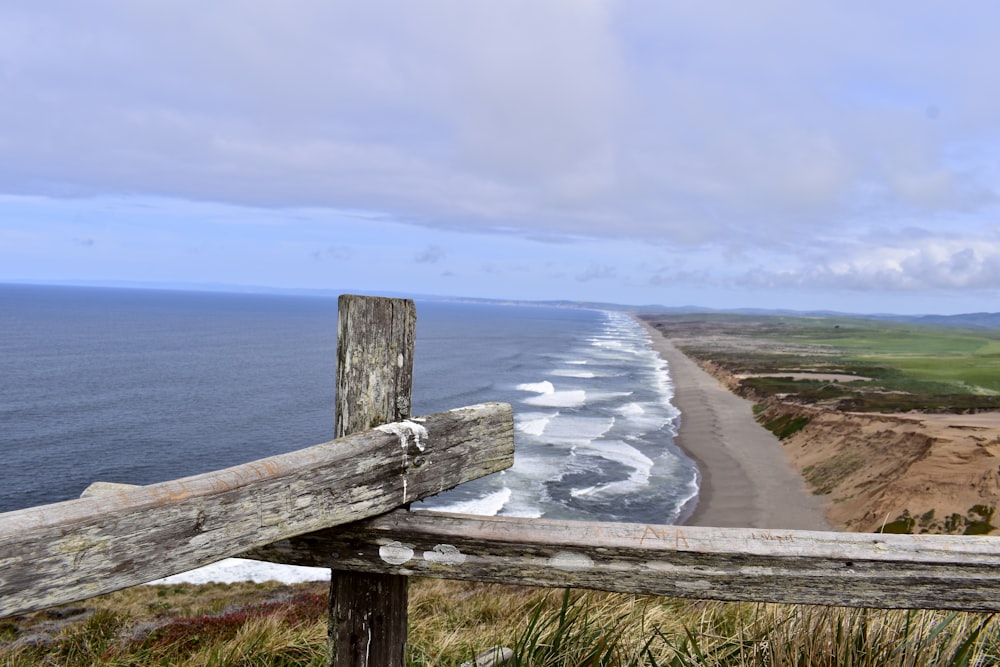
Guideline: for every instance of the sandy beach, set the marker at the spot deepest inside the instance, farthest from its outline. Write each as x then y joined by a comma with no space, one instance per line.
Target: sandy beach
747,479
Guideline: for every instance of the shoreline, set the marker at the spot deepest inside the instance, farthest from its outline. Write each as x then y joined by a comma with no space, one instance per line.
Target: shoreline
747,480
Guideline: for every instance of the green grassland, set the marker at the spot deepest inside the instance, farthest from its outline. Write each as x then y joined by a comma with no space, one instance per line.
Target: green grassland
959,359
903,366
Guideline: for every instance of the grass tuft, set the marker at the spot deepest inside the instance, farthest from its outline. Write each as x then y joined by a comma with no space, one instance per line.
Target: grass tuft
452,622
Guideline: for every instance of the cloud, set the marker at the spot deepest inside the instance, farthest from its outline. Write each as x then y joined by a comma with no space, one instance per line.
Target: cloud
88,242
597,272
775,132
337,253
432,254
935,264
668,278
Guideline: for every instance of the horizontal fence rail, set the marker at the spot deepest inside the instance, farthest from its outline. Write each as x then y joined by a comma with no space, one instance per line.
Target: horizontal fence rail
76,549
808,567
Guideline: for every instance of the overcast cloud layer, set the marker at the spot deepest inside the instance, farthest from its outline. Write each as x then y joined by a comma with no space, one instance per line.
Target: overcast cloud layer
764,149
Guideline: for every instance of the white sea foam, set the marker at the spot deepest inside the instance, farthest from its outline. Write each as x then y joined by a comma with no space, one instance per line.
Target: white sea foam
624,453
619,488
532,466
533,423
573,373
573,398
544,387
631,410
689,499
611,357
488,505
523,510
608,395
627,455
550,398
232,570
578,430
646,417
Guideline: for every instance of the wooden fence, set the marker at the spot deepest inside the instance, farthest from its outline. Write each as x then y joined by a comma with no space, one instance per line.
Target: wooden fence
337,505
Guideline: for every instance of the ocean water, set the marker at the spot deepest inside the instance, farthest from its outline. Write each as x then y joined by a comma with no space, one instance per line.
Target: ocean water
141,386
594,425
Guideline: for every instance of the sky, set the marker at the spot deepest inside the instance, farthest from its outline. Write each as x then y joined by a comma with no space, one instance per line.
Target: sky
838,155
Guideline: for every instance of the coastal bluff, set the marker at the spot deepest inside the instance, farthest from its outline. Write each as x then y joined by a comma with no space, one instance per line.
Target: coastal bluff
912,472
747,481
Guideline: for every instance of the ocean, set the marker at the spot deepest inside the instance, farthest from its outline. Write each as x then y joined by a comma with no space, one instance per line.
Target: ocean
140,386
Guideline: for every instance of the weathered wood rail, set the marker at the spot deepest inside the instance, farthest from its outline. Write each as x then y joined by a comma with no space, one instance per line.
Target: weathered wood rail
337,505
76,549
808,567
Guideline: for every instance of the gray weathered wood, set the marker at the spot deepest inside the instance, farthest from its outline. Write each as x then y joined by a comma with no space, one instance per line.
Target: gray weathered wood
375,344
809,567
80,548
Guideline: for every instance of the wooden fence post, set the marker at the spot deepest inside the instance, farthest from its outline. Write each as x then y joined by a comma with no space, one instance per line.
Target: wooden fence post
375,345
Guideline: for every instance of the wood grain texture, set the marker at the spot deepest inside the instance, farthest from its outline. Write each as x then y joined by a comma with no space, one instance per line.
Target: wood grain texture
376,338
80,548
372,629
375,343
809,567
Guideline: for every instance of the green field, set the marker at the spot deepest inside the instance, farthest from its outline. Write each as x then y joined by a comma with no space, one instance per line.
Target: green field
960,360
905,366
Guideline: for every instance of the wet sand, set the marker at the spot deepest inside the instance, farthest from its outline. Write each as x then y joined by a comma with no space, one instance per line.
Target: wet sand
747,480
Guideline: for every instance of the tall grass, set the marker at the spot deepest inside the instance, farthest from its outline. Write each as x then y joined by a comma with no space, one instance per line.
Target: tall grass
451,623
